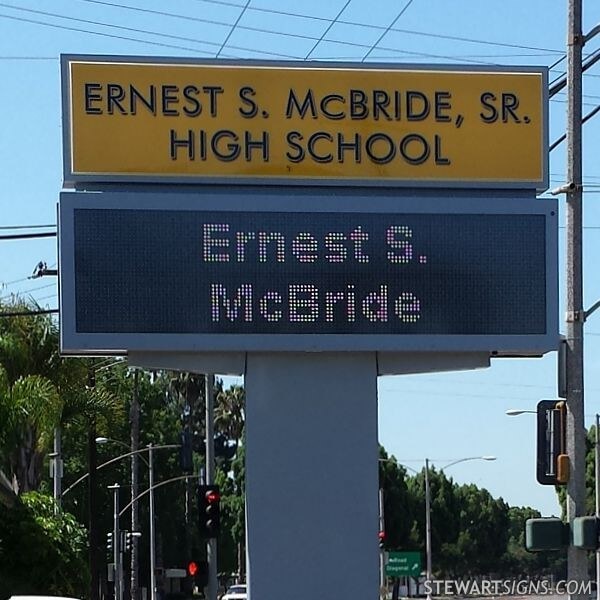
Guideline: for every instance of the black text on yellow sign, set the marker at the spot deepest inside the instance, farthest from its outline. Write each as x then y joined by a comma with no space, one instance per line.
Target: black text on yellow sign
272,122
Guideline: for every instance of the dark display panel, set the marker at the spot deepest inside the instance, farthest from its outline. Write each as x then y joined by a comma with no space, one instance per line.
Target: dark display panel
267,272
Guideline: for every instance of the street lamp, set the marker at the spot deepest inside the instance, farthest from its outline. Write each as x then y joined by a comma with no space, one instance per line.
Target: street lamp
428,509
134,556
149,448
101,441
513,412
428,551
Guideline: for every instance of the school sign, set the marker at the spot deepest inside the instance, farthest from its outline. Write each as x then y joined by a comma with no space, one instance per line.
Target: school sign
161,120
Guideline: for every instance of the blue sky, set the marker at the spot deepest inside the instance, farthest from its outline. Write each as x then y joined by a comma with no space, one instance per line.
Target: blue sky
441,416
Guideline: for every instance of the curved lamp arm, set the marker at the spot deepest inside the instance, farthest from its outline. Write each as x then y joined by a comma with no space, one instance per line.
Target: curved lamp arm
455,462
105,440
113,460
155,486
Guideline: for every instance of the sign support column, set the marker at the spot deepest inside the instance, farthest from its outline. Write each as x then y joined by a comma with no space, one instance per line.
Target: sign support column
311,475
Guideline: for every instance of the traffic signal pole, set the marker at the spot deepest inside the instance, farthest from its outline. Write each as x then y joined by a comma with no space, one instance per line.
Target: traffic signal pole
116,545
382,576
211,544
152,524
576,557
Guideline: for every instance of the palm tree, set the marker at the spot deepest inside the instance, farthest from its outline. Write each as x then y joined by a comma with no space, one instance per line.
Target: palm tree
229,421
29,401
229,412
40,391
29,410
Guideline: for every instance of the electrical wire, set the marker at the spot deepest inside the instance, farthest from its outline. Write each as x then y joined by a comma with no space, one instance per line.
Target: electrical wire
27,226
328,29
27,236
41,287
370,26
314,18
29,313
232,29
209,53
387,30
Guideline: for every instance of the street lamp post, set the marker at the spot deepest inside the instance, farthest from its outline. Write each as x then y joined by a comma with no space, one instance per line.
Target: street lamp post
149,448
428,549
429,573
428,510
597,494
134,512
152,533
116,543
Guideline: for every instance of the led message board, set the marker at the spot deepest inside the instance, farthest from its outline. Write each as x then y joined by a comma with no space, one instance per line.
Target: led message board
384,273
133,119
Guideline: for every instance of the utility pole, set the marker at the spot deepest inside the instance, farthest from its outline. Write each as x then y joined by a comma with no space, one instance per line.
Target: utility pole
211,544
429,573
152,525
93,532
116,545
597,489
576,557
381,549
57,469
134,419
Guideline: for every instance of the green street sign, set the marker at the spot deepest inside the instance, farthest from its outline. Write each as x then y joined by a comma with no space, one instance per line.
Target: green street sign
401,564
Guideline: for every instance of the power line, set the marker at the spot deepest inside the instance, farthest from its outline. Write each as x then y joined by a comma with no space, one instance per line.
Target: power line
387,30
29,313
314,18
232,29
372,26
103,24
27,226
29,58
98,33
36,289
196,41
328,29
27,236
130,39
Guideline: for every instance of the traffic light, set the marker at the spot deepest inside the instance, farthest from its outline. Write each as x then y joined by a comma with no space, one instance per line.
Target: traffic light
222,447
128,538
185,452
546,533
209,508
198,571
109,542
381,536
552,459
192,568
585,532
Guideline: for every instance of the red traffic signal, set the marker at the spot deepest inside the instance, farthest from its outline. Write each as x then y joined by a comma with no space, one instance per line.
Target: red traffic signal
213,496
209,505
381,536
192,568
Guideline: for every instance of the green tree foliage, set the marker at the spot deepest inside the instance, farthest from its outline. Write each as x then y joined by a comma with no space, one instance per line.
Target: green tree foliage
30,405
472,533
400,507
521,563
40,552
590,462
483,529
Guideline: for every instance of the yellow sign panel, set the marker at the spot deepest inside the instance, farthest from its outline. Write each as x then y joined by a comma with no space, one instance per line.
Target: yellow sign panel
257,122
